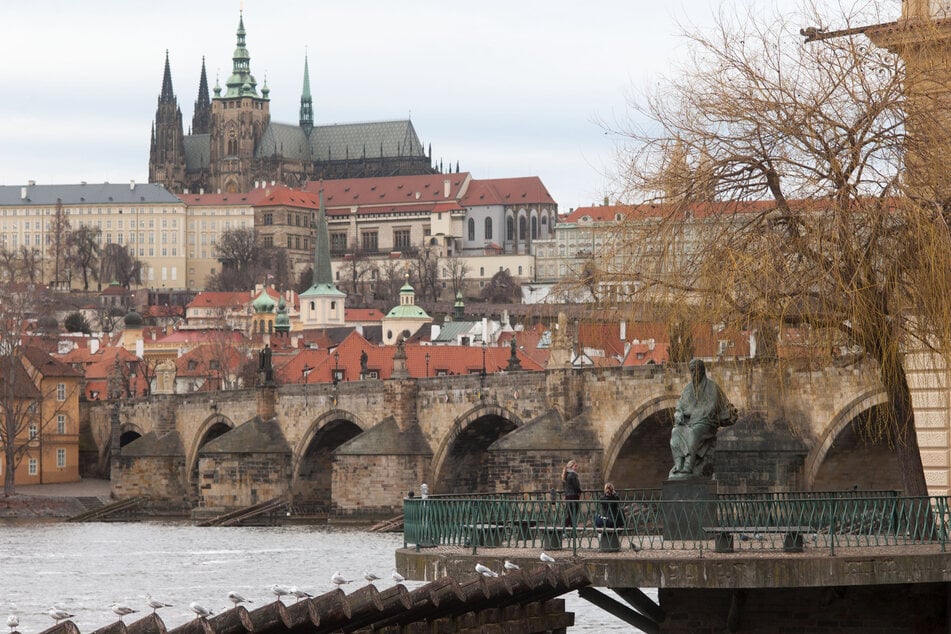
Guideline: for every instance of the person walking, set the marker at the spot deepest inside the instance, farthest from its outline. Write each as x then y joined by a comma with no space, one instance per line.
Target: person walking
572,485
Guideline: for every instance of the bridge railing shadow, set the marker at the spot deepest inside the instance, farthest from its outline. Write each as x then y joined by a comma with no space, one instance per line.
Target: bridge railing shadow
641,520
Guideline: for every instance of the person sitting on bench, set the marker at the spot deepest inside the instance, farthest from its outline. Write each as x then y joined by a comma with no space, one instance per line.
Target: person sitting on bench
611,515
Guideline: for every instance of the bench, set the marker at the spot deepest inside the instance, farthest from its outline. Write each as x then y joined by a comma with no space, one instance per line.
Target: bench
489,535
609,539
723,536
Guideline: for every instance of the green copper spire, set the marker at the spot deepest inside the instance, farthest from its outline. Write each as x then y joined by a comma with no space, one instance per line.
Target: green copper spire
242,82
322,271
306,103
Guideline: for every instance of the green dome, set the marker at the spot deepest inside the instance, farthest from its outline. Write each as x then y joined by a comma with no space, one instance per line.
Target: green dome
133,319
263,303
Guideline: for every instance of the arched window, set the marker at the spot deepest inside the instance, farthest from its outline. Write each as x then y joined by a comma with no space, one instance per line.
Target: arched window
521,228
534,228
488,228
509,229
471,230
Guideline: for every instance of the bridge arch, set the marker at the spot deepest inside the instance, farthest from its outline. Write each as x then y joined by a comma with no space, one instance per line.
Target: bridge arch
129,432
212,427
312,462
862,404
638,455
461,453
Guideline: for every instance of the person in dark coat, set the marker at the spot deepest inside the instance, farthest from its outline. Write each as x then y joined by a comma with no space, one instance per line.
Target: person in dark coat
612,514
572,484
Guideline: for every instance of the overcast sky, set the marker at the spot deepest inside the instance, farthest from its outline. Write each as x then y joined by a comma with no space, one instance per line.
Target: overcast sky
507,88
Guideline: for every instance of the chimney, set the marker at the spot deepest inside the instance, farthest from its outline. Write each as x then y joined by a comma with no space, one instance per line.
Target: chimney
23,193
201,191
93,346
445,188
132,185
623,333
31,183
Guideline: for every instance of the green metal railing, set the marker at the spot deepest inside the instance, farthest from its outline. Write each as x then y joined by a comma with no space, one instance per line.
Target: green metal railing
787,521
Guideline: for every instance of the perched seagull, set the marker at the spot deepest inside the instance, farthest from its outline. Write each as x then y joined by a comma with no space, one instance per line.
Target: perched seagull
279,590
58,614
300,594
201,611
338,579
397,577
370,577
548,559
236,598
508,565
121,610
485,572
155,604
13,622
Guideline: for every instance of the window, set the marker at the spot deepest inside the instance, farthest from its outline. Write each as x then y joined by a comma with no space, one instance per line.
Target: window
61,423
33,467
488,228
369,241
268,218
34,431
337,375
401,239
60,391
471,229
521,228
60,458
509,228
534,228
338,242
268,241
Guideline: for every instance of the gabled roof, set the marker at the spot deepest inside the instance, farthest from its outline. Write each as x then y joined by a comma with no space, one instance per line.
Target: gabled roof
391,193
523,190
23,386
47,365
220,299
341,141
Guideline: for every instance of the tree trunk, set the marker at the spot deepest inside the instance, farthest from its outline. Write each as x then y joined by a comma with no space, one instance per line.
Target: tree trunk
9,471
903,433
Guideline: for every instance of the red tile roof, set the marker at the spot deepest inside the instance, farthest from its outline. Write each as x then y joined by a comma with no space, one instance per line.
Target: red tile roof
507,191
362,314
390,190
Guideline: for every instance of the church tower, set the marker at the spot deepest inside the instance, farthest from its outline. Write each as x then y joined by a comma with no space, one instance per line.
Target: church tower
167,151
922,38
322,305
238,121
201,120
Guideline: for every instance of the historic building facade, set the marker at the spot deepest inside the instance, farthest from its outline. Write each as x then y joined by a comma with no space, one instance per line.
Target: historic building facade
233,144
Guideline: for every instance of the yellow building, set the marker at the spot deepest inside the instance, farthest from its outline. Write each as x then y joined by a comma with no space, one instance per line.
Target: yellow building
46,393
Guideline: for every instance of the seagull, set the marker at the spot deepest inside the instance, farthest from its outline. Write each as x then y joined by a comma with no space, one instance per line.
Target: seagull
338,579
121,610
485,572
236,598
369,576
58,615
548,559
397,577
510,566
201,611
13,622
280,590
300,594
154,604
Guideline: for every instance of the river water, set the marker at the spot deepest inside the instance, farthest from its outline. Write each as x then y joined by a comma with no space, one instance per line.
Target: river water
87,567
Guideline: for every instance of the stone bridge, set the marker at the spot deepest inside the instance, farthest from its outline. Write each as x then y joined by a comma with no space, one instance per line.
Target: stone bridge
359,447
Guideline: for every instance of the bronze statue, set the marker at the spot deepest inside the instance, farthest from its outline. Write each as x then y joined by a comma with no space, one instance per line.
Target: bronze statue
702,409
363,361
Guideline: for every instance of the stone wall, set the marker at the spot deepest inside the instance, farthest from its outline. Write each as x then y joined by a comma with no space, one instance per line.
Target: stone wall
232,481
156,477
375,485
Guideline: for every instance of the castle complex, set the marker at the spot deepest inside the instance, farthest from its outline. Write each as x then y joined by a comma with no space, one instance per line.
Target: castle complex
233,144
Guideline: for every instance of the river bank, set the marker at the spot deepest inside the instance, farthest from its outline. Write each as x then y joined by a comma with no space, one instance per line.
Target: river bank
54,500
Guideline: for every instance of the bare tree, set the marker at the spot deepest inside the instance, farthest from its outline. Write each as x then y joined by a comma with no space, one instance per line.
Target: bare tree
83,245
59,234
118,265
9,264
456,270
773,171
355,275
502,289
240,258
29,265
426,273
391,280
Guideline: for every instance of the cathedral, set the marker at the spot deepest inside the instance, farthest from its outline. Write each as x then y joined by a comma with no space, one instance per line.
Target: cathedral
233,144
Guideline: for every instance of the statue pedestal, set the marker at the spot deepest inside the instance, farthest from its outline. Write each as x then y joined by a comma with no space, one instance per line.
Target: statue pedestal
687,506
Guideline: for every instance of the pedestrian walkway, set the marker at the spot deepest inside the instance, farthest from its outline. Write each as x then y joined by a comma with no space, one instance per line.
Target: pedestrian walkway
87,487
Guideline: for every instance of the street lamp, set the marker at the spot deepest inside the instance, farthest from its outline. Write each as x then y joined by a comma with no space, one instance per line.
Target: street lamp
427,364
336,367
483,358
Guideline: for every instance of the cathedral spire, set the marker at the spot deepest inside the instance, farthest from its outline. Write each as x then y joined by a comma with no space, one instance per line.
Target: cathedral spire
306,103
168,95
242,82
201,120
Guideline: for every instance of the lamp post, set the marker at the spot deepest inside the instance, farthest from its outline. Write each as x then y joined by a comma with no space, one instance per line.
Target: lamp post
427,364
483,358
336,367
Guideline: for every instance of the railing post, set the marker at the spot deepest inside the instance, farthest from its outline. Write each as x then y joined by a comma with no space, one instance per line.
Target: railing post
942,504
832,529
